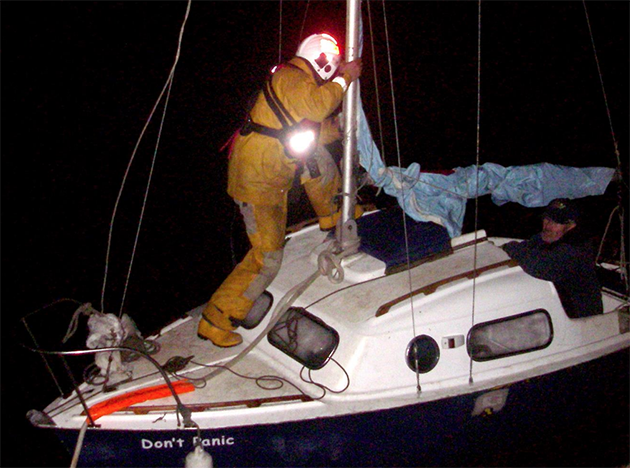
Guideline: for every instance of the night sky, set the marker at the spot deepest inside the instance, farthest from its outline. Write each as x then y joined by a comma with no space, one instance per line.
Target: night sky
80,79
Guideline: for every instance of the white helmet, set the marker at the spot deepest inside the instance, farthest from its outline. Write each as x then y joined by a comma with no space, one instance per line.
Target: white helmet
322,52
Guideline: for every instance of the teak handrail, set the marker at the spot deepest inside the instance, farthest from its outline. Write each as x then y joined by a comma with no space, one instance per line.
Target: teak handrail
431,288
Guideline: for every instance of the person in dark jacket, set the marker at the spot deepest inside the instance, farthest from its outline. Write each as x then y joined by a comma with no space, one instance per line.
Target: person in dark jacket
561,254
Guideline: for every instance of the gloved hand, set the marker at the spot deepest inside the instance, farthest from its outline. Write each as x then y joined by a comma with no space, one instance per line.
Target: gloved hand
352,69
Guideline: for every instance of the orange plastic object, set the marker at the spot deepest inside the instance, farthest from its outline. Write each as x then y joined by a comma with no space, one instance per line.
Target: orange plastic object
138,396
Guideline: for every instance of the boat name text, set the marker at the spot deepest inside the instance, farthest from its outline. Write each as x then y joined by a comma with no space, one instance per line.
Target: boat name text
179,442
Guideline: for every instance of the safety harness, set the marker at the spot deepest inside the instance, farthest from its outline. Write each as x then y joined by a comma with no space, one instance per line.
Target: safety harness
305,132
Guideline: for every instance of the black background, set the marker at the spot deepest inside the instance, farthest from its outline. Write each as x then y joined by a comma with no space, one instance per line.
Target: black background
80,79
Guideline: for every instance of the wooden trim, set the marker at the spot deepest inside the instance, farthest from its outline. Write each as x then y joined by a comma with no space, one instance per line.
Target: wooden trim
479,240
431,288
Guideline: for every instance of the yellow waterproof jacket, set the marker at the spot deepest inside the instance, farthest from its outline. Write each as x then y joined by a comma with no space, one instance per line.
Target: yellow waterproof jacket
259,172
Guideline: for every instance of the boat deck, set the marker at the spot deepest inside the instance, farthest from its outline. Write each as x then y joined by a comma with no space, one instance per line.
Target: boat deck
249,382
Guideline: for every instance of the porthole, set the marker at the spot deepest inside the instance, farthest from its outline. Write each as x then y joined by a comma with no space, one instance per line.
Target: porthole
423,354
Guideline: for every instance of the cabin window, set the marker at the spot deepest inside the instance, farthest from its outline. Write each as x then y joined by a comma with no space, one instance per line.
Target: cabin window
521,333
423,354
304,337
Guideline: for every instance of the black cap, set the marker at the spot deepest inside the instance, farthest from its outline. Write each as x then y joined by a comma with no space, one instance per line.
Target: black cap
562,211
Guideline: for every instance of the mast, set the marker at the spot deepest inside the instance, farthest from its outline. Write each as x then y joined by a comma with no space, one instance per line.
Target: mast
346,232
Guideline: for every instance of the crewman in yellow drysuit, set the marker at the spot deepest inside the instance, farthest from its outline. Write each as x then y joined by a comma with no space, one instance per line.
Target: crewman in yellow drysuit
299,97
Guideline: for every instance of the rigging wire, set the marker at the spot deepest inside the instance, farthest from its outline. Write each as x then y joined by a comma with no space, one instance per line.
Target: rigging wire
378,107
308,2
399,159
165,89
601,81
477,164
146,197
622,252
280,36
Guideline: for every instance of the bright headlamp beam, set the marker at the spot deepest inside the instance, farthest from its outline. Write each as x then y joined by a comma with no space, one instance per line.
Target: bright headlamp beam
300,142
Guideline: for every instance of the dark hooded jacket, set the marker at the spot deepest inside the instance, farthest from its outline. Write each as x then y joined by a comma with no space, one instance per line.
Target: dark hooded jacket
569,263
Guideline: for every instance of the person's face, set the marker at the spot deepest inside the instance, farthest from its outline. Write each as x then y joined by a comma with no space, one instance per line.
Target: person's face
552,231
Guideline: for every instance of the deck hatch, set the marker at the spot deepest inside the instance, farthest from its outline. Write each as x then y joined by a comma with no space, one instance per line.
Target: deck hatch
304,337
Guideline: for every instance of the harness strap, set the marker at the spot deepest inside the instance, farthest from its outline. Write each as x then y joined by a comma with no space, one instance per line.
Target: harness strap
277,107
286,120
273,101
251,126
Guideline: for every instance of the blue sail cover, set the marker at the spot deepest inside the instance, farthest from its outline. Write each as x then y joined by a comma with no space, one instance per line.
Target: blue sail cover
442,198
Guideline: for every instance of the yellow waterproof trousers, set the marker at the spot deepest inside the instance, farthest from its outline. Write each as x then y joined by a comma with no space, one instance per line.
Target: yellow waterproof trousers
266,229
322,190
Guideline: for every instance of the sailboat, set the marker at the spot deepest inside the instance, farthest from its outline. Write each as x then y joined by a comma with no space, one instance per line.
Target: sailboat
441,348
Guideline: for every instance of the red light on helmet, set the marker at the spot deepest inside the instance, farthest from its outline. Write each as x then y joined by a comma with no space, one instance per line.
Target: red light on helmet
328,45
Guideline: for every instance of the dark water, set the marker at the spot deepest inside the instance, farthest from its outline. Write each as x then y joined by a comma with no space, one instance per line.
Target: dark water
79,80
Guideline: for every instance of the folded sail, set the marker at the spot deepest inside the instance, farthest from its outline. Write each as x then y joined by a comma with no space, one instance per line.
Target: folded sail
442,198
